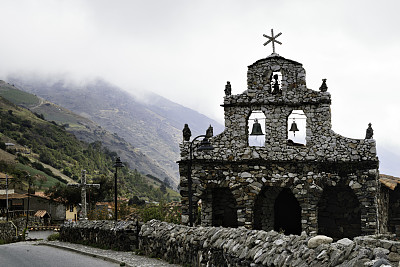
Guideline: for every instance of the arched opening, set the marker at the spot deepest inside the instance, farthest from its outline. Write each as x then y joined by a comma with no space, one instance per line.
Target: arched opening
276,83
394,211
256,128
287,212
224,208
297,122
277,209
339,213
263,212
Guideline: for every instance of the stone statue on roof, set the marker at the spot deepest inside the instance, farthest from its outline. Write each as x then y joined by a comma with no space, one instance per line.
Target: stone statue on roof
186,132
370,132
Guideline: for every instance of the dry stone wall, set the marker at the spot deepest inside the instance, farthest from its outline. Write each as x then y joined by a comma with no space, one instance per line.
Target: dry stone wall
7,232
217,246
221,246
106,234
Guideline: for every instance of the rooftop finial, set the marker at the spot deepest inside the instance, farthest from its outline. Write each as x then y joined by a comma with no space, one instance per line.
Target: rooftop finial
272,39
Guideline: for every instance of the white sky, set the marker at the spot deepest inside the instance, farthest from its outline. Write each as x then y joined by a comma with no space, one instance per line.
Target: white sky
187,50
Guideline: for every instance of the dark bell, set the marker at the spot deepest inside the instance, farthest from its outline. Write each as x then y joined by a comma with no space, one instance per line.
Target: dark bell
256,128
293,128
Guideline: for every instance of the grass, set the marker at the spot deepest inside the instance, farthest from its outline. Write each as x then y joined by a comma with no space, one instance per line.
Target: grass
50,180
17,96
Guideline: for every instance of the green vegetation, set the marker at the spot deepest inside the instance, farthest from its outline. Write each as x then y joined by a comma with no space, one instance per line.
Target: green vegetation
53,237
40,142
52,144
163,212
16,96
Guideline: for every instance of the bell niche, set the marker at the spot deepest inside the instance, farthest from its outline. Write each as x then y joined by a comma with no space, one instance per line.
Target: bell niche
256,128
297,121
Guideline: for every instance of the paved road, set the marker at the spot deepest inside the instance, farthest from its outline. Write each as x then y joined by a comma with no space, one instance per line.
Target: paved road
31,255
60,254
39,234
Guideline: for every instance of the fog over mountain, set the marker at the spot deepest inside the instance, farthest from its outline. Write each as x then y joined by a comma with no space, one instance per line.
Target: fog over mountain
150,123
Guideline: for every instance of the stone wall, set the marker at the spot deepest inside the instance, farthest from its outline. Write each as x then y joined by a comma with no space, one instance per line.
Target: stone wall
7,232
106,234
217,246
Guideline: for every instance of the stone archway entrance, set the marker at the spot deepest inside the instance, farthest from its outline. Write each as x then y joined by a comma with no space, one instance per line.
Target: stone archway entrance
287,212
224,208
277,209
339,213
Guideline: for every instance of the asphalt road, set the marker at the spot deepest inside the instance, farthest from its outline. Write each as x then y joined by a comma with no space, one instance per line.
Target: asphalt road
23,254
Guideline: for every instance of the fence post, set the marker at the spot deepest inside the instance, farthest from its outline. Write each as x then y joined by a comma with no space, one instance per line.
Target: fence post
137,234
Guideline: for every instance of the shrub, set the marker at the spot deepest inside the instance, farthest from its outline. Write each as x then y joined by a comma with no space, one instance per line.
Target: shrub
53,237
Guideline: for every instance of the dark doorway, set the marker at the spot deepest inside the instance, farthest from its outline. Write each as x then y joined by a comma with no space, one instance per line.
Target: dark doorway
263,212
339,213
287,212
394,211
224,208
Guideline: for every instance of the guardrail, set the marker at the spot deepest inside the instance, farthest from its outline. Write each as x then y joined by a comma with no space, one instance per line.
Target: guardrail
44,228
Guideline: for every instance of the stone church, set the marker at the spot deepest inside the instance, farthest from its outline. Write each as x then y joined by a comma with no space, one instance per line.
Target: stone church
261,176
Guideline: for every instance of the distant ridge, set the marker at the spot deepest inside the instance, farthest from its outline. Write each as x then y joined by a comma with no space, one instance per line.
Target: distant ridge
83,128
154,127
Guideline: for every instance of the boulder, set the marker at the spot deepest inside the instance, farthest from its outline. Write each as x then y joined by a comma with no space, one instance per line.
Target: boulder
318,240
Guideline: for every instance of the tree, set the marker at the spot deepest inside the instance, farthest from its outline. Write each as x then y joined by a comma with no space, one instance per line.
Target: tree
167,182
41,180
163,188
66,194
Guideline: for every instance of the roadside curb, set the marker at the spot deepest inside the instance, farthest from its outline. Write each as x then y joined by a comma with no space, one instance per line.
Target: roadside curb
86,253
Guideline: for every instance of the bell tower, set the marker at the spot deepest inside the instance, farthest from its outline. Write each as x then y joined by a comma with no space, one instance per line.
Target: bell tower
263,183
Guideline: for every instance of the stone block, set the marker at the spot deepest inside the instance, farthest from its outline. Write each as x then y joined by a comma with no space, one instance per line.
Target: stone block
318,240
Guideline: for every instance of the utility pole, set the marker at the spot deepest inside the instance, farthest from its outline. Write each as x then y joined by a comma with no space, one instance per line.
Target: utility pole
7,195
118,164
29,189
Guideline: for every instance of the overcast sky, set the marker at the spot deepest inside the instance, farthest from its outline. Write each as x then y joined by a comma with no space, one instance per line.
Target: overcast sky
187,50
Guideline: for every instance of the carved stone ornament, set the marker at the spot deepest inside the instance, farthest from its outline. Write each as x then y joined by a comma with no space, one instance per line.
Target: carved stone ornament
370,132
210,132
228,89
186,133
323,87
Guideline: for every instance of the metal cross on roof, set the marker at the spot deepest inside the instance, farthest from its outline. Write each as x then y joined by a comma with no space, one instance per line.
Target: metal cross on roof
272,39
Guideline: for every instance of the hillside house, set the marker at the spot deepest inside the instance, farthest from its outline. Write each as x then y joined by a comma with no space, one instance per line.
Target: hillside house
274,180
18,205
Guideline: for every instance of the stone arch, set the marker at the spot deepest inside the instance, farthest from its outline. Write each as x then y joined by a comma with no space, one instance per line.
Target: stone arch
224,207
339,212
276,208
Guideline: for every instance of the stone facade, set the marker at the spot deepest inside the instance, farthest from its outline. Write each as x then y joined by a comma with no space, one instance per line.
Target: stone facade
268,185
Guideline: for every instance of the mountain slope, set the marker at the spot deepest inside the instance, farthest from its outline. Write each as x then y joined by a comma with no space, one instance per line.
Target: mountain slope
44,149
154,126
83,128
